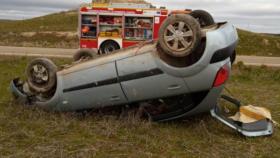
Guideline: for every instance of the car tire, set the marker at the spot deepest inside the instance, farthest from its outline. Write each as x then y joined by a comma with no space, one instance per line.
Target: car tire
203,17
84,54
41,75
108,47
179,35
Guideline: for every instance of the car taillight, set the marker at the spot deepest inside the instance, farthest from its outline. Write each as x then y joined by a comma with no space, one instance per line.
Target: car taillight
222,76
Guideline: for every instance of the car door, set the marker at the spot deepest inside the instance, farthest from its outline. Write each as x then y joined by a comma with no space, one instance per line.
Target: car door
141,79
93,87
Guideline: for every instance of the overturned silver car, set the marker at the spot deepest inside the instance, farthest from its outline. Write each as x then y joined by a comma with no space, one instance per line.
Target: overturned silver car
188,63
185,70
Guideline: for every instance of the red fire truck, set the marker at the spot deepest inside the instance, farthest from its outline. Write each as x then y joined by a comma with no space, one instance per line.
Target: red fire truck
108,27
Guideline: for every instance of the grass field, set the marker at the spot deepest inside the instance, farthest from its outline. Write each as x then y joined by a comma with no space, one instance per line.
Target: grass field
60,31
30,132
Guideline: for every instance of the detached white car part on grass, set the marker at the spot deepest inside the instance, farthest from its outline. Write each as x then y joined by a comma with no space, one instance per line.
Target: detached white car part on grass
184,72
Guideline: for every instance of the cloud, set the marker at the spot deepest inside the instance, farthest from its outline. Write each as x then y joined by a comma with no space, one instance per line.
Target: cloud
255,15
60,4
23,9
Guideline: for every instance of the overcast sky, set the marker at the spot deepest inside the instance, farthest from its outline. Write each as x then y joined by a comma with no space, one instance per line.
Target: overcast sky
254,15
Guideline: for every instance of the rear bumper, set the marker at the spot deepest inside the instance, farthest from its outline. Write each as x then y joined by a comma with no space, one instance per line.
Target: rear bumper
255,129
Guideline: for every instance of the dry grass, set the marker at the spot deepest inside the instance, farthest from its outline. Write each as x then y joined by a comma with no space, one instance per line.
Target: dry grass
258,44
45,31
31,132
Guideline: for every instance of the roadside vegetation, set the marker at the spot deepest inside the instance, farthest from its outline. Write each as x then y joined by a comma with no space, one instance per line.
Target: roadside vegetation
31,132
63,21
59,30
258,44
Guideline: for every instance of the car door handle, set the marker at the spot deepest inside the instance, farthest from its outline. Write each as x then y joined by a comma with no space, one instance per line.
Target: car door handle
174,87
115,98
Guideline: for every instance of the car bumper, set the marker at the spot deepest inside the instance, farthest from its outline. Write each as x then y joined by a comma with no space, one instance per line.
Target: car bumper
259,128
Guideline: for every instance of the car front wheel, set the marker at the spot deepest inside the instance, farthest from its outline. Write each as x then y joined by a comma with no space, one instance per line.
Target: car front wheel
179,35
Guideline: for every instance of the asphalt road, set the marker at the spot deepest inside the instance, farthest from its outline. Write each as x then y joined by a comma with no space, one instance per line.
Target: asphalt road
37,52
68,53
259,60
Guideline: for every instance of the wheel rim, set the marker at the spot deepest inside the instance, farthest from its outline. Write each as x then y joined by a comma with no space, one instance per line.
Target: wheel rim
178,37
39,74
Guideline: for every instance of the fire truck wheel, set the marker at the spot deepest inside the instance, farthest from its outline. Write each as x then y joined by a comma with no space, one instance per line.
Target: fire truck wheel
108,47
179,35
84,54
203,17
41,75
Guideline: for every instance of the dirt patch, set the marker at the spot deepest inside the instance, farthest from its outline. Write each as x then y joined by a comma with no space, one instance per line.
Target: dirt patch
71,13
67,34
278,45
40,39
28,34
266,42
58,34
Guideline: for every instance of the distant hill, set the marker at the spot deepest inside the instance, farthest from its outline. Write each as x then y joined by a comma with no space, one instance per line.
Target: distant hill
4,20
258,44
59,30
63,21
270,34
54,30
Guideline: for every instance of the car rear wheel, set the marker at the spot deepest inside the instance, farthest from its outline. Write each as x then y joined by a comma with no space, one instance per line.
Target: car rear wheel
179,35
84,54
41,75
108,47
203,17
